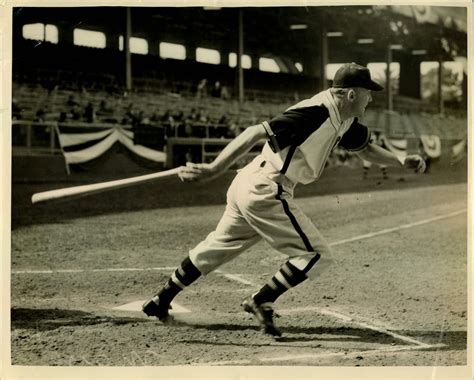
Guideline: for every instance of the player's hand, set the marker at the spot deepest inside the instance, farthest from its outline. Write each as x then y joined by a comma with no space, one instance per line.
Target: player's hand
197,172
415,162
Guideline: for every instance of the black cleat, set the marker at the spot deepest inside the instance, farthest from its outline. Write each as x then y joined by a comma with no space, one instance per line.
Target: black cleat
264,314
153,308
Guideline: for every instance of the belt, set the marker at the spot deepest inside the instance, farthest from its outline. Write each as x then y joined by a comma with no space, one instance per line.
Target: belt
274,175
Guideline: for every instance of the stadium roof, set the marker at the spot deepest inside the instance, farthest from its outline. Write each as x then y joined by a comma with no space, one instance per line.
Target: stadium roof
281,31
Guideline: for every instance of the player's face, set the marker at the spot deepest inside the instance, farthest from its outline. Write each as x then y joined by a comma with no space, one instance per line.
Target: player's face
362,98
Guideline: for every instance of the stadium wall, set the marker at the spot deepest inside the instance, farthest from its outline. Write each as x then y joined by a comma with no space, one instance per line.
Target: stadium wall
117,164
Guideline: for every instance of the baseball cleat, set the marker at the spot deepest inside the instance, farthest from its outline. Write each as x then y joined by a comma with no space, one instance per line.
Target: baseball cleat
153,308
264,314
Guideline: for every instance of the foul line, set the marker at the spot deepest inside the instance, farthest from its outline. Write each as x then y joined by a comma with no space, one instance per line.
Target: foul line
349,319
401,227
91,270
235,277
325,355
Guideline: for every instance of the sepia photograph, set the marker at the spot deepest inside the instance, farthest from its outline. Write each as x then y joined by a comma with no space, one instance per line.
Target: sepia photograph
253,190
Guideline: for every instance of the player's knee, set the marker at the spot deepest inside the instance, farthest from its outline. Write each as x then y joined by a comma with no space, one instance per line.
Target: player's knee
320,263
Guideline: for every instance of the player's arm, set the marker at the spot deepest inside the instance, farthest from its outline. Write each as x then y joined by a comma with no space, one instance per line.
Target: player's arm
381,156
230,154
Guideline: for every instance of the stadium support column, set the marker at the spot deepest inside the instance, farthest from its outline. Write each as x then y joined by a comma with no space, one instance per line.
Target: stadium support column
324,52
66,34
440,85
388,87
410,75
126,49
239,57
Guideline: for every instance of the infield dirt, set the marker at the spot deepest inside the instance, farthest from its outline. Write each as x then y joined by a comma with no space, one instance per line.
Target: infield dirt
410,282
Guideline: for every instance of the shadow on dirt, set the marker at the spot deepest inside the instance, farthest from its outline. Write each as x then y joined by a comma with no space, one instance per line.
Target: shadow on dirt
51,319
172,193
454,340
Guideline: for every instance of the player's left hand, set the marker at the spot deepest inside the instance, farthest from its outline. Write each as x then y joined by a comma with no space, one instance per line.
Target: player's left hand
193,172
416,162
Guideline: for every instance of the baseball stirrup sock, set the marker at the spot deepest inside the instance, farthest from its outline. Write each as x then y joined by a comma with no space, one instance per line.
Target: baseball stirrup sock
182,277
286,278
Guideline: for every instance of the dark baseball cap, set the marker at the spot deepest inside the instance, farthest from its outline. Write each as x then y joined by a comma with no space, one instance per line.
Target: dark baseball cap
354,75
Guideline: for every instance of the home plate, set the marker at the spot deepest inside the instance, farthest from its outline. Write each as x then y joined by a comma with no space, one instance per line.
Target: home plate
137,306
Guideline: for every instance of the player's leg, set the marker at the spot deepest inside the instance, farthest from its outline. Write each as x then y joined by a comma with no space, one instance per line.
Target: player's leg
287,229
184,275
231,237
291,232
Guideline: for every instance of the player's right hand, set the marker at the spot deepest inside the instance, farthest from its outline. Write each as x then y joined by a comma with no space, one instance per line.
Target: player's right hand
197,172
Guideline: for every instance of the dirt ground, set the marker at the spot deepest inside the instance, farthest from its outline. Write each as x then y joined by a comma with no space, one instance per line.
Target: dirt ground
396,297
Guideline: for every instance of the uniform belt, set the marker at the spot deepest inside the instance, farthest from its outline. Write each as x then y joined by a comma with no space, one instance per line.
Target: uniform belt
274,175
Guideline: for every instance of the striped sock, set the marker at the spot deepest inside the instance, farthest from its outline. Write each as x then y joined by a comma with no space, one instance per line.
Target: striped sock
182,277
286,278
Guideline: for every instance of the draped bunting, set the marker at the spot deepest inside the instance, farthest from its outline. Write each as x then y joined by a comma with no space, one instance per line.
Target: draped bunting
431,145
459,151
396,146
80,145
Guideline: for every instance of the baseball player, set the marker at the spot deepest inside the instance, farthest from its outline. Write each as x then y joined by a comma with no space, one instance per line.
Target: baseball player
260,201
375,139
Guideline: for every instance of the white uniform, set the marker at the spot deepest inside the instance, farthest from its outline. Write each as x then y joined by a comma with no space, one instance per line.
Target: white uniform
260,199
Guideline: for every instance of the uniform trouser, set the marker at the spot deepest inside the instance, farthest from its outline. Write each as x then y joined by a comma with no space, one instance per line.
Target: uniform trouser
260,208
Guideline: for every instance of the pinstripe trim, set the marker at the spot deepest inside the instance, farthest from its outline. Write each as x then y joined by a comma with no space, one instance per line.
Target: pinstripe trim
293,220
282,280
311,263
288,158
176,281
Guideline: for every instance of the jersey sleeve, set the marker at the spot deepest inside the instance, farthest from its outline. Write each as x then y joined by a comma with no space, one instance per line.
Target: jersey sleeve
356,138
294,126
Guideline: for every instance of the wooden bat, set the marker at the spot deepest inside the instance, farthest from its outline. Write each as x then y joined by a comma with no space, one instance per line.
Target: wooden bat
84,190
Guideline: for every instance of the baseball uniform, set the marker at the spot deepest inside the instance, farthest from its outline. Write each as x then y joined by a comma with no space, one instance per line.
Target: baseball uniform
260,199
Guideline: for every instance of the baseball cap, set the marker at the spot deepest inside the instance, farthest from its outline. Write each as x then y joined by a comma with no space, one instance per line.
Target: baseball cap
354,75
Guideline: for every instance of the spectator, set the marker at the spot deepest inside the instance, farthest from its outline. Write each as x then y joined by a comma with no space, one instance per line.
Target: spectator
104,109
202,89
376,138
216,90
167,118
39,117
89,113
76,112
62,116
203,117
71,101
234,129
225,93
193,116
16,110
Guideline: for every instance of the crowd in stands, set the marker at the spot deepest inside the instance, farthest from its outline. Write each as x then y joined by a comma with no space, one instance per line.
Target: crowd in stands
209,113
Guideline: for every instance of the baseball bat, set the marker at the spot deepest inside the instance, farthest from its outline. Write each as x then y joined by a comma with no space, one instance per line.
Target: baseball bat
84,190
